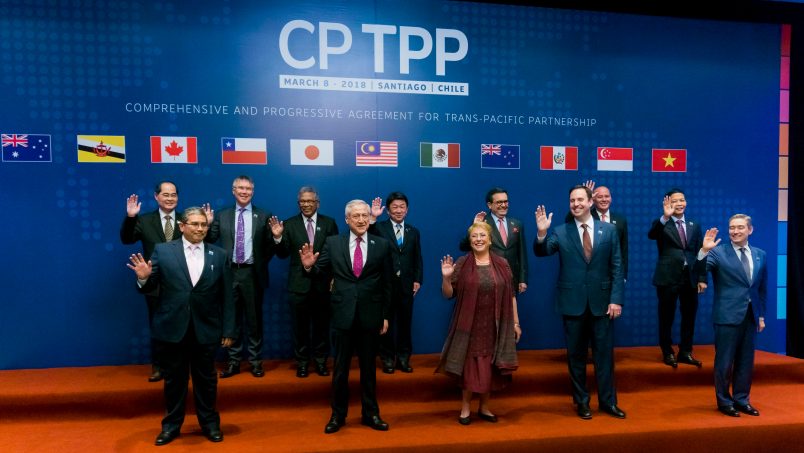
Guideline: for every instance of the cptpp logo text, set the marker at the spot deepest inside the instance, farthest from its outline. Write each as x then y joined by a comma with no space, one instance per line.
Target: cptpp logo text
415,43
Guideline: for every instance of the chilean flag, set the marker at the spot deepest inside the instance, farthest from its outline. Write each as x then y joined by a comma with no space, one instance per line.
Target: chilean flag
244,151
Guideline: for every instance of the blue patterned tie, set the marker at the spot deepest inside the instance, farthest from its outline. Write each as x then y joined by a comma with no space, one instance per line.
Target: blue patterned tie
399,235
240,239
746,265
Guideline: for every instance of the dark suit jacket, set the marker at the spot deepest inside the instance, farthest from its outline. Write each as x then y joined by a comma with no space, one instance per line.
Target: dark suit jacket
209,303
223,229
408,258
670,265
148,229
733,292
294,236
597,283
514,252
369,294
621,223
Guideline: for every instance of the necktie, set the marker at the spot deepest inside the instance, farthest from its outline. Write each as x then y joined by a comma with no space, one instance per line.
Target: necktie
503,234
587,243
310,231
681,233
357,264
240,239
746,265
194,264
168,228
603,217
399,234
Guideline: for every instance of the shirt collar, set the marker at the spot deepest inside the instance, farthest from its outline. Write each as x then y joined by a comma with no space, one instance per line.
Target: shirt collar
186,243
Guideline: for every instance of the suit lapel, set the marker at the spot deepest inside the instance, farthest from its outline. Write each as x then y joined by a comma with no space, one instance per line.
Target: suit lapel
178,250
574,237
345,254
757,263
735,261
157,223
496,239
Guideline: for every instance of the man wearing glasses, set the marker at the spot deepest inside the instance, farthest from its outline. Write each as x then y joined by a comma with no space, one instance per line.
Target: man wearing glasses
308,294
150,229
195,314
507,238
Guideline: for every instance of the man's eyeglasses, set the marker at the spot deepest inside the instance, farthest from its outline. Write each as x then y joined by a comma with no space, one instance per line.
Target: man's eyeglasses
305,202
202,225
500,202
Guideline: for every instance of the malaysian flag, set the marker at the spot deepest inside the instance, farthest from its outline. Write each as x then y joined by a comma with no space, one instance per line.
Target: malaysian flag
26,148
376,154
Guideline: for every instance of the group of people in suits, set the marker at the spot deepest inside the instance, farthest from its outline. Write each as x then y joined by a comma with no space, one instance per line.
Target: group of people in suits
360,286
201,296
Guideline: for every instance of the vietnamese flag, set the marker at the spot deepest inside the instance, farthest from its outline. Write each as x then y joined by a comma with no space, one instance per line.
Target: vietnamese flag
669,160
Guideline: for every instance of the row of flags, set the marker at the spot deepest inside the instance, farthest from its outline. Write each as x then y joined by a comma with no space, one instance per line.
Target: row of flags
376,153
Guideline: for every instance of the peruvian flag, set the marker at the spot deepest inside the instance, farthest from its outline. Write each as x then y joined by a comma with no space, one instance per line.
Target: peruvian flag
559,158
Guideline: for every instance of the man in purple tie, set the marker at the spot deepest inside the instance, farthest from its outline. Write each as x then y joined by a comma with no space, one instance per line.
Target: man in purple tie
678,240
361,267
244,233
308,295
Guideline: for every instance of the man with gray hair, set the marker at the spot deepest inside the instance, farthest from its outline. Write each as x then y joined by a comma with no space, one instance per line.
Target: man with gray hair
361,267
308,295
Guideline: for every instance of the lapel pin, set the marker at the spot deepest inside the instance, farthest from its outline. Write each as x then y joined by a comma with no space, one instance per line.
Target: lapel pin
211,252
371,241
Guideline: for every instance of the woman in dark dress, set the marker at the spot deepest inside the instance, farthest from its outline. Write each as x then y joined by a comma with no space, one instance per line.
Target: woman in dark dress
480,349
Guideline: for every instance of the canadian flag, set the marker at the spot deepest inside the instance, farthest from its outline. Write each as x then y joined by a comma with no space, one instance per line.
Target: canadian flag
174,150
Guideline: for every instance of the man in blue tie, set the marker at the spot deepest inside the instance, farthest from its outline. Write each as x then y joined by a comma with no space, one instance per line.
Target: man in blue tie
740,275
244,233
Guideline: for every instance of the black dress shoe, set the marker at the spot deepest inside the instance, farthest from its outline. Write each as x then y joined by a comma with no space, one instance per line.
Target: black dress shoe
584,411
729,410
686,357
388,367
231,370
491,418
404,366
214,435
301,371
613,410
464,420
670,360
334,425
156,375
747,409
166,437
257,371
375,422
321,369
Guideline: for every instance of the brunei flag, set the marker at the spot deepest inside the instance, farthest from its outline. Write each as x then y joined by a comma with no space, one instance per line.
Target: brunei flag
104,149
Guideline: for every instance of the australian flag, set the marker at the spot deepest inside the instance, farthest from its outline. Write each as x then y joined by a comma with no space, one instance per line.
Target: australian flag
26,148
499,156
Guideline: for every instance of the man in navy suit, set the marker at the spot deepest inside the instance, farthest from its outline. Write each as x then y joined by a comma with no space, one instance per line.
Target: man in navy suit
362,267
590,295
244,233
194,314
740,275
151,229
396,346
678,240
308,294
507,236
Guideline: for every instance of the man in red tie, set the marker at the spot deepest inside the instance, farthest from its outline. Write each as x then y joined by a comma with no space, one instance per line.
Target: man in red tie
507,238
678,240
361,267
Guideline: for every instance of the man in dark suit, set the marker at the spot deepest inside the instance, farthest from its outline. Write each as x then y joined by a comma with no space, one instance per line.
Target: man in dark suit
361,266
195,313
740,275
507,237
678,240
308,294
150,229
590,295
396,346
601,204
244,233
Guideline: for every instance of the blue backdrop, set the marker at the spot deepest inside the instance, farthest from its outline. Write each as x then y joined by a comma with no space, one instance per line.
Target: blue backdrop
519,75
